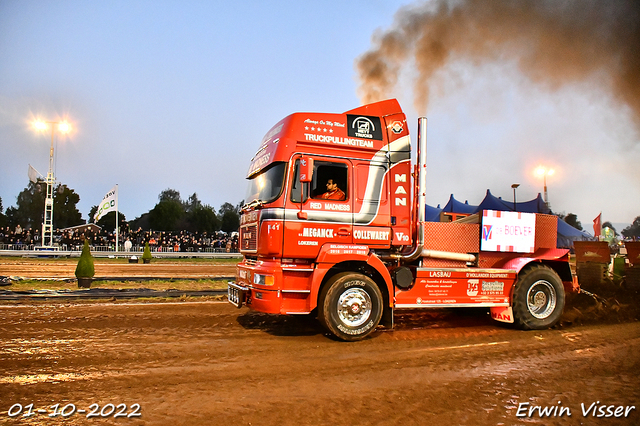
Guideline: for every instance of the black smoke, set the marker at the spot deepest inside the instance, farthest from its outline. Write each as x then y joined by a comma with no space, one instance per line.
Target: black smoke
553,43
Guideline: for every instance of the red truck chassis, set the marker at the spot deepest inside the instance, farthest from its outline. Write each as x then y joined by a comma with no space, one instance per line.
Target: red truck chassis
353,261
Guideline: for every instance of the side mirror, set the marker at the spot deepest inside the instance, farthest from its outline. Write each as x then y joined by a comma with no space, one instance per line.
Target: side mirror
306,169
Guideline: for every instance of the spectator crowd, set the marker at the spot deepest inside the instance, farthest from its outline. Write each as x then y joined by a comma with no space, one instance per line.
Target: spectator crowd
73,239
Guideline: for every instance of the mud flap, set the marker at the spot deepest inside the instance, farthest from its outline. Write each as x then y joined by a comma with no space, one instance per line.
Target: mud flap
387,318
502,313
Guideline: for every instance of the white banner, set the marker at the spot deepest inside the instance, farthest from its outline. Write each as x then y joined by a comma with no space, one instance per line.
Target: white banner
109,203
506,231
33,174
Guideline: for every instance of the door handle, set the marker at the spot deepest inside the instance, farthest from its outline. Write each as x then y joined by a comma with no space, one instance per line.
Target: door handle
344,232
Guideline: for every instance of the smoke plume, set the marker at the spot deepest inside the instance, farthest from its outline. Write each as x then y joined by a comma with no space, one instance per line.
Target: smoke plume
553,43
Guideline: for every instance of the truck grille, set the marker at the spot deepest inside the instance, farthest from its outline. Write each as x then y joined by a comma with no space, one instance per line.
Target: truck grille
249,238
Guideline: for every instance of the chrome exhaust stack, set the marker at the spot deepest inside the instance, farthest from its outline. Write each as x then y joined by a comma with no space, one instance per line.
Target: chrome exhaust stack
418,248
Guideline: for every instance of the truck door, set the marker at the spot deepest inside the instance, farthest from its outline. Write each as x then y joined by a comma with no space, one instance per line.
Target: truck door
320,211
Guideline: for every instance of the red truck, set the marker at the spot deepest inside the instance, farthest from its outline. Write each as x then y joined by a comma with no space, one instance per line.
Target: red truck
335,226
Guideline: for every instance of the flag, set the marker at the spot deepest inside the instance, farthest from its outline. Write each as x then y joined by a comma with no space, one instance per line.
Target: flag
597,225
109,203
33,174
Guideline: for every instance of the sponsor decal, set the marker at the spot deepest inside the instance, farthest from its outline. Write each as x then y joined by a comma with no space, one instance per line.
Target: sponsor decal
307,243
472,287
259,162
359,234
440,274
365,127
338,207
486,232
317,232
502,314
348,250
273,227
325,126
397,127
490,275
249,217
492,286
274,131
402,237
508,231
338,140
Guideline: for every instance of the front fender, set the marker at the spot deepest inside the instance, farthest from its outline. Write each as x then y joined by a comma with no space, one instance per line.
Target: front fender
334,255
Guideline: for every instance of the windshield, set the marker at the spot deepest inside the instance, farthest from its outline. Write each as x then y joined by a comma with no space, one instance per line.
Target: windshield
267,185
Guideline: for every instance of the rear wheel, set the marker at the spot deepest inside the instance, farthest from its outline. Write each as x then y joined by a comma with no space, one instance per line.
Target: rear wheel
350,306
538,298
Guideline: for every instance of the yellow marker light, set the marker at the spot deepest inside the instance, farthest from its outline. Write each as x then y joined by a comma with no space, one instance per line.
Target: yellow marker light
260,279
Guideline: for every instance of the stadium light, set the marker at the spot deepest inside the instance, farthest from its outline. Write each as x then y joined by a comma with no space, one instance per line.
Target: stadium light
543,172
47,223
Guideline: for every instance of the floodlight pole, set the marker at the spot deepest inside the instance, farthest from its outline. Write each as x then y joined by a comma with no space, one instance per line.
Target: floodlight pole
515,205
47,224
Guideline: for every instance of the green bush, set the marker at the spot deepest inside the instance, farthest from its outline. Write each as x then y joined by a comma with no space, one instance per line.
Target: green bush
146,255
85,268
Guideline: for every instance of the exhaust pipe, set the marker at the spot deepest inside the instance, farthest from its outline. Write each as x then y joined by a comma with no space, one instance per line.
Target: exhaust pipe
417,249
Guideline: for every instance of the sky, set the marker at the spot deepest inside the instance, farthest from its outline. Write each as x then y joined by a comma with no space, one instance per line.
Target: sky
178,95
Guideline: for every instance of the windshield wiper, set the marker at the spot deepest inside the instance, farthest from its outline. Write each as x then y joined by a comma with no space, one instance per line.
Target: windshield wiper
254,205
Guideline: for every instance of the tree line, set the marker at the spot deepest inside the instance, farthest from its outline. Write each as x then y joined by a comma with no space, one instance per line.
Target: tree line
171,213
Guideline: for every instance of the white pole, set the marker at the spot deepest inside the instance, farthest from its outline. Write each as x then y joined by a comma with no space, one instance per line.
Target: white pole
117,229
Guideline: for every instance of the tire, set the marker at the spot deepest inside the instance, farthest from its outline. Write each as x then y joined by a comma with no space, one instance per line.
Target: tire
350,306
538,298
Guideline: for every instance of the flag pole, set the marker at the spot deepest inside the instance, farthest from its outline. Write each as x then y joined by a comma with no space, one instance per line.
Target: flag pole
117,229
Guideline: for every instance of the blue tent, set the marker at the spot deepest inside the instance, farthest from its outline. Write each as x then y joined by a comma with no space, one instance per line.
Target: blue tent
567,234
455,206
432,214
492,202
537,205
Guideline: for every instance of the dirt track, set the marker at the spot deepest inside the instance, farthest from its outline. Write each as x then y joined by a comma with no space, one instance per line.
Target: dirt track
209,363
65,268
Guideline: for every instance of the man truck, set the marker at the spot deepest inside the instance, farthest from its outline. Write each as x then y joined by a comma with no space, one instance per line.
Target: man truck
353,261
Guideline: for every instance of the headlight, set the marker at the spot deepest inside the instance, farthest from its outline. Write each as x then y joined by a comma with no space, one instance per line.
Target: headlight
260,279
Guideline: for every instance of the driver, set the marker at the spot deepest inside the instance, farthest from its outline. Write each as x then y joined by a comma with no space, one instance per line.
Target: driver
333,192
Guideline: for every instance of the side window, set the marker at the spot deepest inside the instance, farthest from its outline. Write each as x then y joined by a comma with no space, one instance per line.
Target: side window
330,182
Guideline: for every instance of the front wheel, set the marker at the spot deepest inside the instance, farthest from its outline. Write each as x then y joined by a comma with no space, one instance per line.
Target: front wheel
350,306
538,299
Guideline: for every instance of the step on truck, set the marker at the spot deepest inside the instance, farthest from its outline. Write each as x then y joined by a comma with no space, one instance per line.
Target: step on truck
334,226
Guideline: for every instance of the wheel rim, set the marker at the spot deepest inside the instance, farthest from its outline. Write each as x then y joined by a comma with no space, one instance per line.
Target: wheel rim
354,307
541,299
